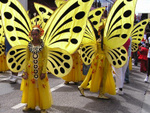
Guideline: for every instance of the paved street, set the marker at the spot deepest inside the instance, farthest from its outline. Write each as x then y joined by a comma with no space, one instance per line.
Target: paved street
67,99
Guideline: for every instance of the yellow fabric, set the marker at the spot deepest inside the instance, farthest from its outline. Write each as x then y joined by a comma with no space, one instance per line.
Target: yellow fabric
100,75
130,63
3,64
36,92
75,74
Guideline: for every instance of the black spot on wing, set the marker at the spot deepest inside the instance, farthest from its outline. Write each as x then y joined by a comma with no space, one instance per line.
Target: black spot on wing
61,40
12,5
64,23
116,12
135,28
75,5
19,22
60,59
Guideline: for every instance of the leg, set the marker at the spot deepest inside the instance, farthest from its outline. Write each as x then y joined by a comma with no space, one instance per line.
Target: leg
127,75
135,59
148,71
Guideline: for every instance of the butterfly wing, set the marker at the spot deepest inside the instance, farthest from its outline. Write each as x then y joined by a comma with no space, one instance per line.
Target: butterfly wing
2,44
60,2
138,31
119,23
88,45
16,58
16,23
67,25
59,62
117,57
44,12
36,20
134,46
95,15
2,39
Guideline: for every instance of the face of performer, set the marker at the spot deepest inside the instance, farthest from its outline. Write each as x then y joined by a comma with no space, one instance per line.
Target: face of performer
35,35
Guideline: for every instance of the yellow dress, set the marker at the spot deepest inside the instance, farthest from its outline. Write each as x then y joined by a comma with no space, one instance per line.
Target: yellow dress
3,63
100,75
36,92
75,74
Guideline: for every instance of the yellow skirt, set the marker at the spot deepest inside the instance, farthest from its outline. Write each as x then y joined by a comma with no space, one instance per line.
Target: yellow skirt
3,63
75,74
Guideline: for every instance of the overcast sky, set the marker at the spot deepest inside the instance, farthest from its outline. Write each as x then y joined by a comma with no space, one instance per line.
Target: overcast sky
143,6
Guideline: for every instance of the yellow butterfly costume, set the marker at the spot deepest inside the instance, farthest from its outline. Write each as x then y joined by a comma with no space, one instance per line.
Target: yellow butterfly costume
109,51
3,64
62,33
75,75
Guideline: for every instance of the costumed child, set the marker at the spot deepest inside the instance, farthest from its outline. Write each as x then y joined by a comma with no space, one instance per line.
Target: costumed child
35,84
99,77
108,50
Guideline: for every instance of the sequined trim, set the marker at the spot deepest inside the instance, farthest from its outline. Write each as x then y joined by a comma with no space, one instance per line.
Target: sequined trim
35,50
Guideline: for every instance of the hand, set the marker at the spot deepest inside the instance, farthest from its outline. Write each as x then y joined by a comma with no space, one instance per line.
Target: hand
25,75
42,76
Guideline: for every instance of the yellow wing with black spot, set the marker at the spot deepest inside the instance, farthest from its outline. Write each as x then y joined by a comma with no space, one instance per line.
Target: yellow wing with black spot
16,22
138,33
16,58
117,57
119,23
2,44
2,39
60,2
36,21
95,15
44,12
66,26
88,47
134,46
59,62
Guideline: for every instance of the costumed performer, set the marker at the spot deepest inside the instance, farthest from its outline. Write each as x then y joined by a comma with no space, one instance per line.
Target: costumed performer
110,50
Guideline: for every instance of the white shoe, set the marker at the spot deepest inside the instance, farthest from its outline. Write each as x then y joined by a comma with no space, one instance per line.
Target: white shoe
146,79
13,79
119,92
